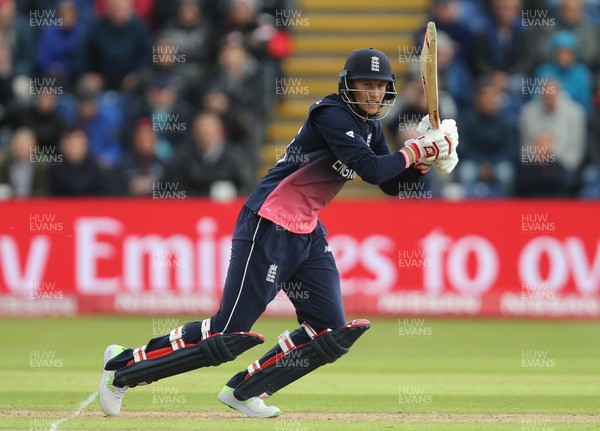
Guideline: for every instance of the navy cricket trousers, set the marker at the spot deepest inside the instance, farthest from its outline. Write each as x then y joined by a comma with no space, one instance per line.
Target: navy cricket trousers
266,258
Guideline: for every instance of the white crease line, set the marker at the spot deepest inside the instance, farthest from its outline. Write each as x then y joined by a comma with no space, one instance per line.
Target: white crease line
82,405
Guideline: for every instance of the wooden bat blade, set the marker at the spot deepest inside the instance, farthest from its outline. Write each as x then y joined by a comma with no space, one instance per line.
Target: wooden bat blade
428,64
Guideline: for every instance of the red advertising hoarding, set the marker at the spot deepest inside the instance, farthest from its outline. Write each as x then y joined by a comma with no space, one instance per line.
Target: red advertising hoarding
474,258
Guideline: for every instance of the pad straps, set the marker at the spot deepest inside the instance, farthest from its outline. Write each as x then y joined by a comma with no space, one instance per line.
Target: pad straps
176,338
139,354
286,343
205,329
309,330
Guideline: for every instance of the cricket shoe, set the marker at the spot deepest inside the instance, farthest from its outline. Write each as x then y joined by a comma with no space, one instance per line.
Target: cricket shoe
110,396
253,407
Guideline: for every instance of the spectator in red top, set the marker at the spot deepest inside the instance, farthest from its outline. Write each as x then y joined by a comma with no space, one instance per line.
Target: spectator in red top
143,9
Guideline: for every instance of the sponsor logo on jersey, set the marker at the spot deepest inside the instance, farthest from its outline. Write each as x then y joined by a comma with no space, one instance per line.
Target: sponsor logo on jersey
343,170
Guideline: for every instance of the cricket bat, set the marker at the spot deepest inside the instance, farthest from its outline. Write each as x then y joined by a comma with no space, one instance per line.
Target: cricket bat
428,63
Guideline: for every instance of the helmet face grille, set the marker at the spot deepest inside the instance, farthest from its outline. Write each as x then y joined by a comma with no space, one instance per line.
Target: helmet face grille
388,100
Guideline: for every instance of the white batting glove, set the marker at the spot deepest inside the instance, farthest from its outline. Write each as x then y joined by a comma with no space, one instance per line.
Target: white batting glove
423,166
429,147
424,125
447,164
448,126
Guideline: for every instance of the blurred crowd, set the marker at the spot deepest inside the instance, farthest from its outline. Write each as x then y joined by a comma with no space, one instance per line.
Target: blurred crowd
119,97
522,78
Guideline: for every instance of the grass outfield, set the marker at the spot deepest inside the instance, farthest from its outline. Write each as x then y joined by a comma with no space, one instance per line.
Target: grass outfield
408,374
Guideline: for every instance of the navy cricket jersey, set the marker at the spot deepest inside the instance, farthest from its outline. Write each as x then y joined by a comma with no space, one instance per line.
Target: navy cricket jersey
332,146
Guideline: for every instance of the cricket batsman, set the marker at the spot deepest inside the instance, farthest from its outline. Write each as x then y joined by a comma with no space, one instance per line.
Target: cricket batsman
278,240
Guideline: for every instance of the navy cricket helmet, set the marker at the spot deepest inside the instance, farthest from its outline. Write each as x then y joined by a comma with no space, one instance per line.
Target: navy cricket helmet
368,64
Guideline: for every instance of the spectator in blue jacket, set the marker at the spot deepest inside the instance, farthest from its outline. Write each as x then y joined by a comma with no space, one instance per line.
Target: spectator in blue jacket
573,17
57,46
563,65
101,121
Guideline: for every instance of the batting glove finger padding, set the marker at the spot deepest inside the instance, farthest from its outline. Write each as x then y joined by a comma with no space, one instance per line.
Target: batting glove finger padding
449,128
424,125
423,166
447,164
